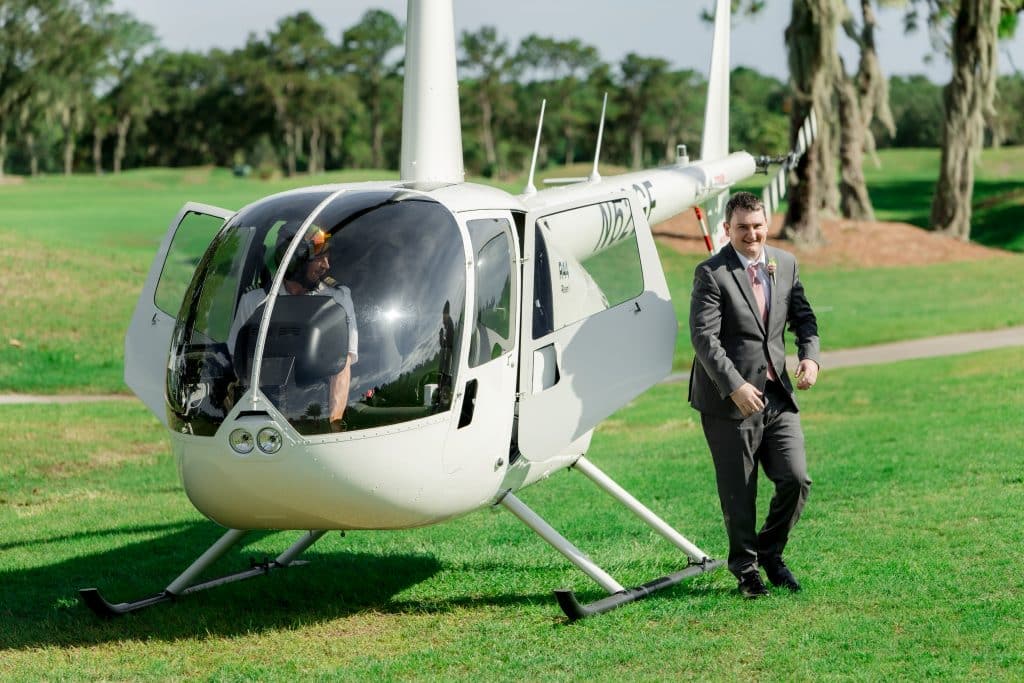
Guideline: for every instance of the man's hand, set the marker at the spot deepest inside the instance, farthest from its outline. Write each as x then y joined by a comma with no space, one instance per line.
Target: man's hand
806,374
748,399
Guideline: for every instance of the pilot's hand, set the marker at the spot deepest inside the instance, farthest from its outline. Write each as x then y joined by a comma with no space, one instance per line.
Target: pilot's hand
748,399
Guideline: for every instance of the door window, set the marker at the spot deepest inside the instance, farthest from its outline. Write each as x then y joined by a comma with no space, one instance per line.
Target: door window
567,289
491,334
193,236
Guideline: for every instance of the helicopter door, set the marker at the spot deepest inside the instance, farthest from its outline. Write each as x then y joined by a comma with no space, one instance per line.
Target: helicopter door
598,323
488,381
149,335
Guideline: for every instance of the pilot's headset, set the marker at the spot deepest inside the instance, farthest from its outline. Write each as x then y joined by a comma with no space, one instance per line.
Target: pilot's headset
311,247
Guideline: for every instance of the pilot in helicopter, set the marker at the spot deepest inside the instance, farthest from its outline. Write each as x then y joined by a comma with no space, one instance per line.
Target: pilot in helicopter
307,275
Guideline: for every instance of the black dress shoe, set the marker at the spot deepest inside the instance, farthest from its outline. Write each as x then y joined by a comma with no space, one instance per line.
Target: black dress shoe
779,574
751,585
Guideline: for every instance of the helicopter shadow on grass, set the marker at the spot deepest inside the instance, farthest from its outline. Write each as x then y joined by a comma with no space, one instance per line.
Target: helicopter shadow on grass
39,607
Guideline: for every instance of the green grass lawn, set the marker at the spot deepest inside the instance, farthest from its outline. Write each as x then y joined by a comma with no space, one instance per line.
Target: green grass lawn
907,551
75,253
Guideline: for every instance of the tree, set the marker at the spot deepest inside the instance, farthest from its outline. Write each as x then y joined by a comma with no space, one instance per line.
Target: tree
814,66
643,80
132,96
368,49
757,121
1008,125
567,66
917,111
861,98
489,63
968,101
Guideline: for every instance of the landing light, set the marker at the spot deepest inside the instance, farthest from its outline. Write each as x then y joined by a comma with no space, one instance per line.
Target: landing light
269,440
241,442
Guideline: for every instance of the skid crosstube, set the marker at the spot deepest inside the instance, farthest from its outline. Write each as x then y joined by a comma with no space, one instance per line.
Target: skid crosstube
186,584
618,595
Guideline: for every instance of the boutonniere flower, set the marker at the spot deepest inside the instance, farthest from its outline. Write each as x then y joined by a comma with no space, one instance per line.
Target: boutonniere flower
772,265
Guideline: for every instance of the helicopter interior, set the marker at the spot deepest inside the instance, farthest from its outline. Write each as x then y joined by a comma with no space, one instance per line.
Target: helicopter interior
399,258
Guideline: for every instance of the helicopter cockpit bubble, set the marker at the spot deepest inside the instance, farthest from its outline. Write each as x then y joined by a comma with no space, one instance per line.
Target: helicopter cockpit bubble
374,290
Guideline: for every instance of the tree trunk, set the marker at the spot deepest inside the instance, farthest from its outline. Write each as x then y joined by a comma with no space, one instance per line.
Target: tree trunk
314,149
3,148
569,133
487,133
968,99
97,150
377,131
69,155
813,65
827,150
297,134
289,145
854,201
123,125
671,140
33,155
69,144
872,86
801,223
636,147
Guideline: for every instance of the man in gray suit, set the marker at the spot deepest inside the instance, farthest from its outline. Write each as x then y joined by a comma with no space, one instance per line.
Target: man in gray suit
743,298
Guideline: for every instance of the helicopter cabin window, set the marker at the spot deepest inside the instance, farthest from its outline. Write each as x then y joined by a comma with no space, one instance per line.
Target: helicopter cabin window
586,260
491,331
191,239
202,385
363,332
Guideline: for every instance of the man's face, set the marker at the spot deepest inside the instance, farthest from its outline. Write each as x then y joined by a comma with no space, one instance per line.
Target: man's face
747,232
316,269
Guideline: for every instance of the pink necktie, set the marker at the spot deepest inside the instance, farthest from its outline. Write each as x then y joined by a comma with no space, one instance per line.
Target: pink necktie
762,306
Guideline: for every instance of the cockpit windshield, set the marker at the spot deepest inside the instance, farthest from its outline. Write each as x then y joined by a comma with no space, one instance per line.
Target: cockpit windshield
363,330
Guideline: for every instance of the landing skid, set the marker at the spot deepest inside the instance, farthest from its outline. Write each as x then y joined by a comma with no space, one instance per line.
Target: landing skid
184,584
699,562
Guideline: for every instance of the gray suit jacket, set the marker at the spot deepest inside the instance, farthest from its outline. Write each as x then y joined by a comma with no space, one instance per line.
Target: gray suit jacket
730,342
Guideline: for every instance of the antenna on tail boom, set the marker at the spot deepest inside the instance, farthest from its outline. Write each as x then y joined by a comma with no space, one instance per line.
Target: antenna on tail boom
530,188
594,175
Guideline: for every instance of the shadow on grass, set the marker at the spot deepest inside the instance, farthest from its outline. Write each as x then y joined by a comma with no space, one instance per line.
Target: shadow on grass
141,529
40,607
996,216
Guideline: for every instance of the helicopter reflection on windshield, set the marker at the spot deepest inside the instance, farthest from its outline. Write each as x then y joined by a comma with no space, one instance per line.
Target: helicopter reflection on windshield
363,349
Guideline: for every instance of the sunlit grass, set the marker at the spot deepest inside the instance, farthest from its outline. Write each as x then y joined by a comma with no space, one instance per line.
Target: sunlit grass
905,551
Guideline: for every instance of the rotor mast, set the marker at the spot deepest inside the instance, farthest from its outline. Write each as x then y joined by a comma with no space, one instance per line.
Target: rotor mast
431,127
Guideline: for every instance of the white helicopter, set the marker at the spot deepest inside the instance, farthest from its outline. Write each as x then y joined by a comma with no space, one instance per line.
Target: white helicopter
476,342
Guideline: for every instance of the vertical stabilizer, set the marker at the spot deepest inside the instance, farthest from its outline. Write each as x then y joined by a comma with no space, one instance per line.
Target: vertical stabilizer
431,128
715,144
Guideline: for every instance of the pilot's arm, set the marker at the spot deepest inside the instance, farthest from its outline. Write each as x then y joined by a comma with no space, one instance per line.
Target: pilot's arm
340,383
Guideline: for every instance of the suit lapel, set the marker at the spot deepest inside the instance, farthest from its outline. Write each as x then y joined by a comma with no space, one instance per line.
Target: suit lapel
743,282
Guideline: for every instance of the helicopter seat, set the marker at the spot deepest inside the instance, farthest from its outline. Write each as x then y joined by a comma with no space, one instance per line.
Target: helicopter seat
306,345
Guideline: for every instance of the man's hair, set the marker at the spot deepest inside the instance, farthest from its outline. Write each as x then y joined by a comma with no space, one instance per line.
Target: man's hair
742,200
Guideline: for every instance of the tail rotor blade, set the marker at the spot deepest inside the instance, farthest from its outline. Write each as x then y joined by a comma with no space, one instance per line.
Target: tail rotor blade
775,191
